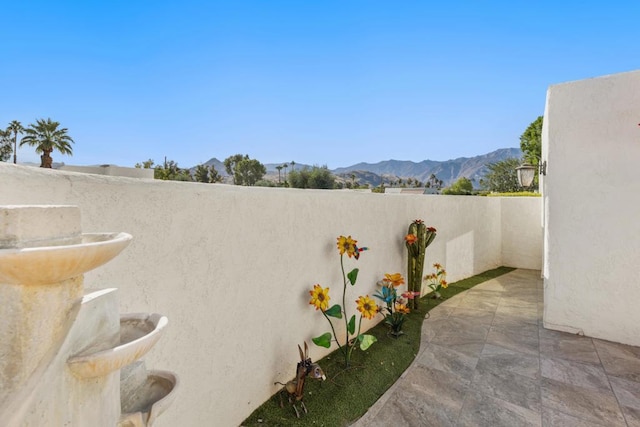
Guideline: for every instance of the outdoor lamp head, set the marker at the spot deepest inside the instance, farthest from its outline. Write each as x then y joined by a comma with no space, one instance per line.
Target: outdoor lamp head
526,172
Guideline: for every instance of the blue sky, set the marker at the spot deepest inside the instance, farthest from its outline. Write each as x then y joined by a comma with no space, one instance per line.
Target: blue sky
323,82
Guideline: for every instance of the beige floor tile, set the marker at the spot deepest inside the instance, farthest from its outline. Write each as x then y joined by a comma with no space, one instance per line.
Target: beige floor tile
518,314
575,373
508,386
632,416
553,418
483,410
468,344
479,302
448,360
517,327
619,360
459,326
483,317
514,340
578,349
425,397
627,392
500,358
590,405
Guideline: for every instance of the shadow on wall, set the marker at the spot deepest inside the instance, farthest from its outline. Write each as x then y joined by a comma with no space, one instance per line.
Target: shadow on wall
461,251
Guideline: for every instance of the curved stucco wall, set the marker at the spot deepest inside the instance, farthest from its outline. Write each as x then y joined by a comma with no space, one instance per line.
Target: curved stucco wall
591,141
231,267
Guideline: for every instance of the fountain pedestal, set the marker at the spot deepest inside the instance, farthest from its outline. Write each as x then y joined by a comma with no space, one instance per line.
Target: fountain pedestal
61,351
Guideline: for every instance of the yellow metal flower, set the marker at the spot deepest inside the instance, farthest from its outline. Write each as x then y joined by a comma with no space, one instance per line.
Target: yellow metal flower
347,245
444,283
367,307
402,308
395,279
319,297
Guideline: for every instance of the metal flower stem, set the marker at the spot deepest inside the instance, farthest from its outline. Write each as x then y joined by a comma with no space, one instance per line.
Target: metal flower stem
347,353
354,344
332,329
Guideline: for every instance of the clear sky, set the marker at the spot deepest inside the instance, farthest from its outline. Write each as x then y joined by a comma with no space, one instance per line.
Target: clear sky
317,82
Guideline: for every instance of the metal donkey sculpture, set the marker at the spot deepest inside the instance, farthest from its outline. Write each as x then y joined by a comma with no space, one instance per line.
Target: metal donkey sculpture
295,388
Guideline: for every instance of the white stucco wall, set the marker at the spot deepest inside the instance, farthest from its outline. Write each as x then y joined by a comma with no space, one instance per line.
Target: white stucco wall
111,170
231,267
521,227
591,140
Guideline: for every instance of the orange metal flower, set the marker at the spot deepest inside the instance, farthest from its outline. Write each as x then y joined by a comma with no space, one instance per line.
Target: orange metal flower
402,308
395,279
411,239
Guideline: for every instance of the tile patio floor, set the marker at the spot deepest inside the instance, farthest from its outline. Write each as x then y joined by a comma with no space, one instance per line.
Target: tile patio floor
486,360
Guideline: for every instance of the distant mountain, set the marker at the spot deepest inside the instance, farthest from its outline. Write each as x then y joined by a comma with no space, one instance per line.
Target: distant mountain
216,163
448,171
363,177
388,171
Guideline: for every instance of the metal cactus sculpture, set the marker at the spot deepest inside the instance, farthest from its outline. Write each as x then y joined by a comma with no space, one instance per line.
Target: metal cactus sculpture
418,237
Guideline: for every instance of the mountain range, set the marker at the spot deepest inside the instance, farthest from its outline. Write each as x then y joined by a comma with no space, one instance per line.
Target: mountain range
390,171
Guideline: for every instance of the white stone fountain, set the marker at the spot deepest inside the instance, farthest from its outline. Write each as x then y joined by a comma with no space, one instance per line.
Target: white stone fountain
67,358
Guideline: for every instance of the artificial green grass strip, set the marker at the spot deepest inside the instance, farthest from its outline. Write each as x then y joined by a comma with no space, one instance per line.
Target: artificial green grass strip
347,394
470,282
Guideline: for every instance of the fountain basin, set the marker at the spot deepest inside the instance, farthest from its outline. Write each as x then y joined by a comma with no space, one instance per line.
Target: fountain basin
138,333
57,262
142,405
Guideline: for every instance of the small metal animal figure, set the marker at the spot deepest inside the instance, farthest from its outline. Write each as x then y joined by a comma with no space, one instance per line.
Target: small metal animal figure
295,388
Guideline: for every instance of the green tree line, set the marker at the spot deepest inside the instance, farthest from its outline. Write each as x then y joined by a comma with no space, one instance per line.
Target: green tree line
502,176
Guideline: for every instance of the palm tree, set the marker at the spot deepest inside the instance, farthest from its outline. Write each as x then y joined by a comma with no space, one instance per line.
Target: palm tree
5,145
15,127
285,166
293,165
279,169
47,137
